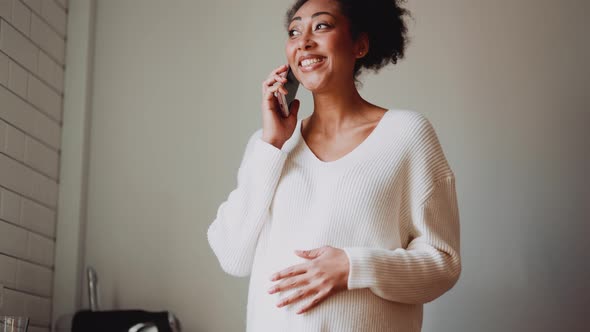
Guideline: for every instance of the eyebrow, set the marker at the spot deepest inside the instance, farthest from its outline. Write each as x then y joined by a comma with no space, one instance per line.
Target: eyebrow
312,16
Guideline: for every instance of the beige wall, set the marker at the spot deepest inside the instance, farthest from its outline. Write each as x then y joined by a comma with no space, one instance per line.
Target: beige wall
32,62
176,95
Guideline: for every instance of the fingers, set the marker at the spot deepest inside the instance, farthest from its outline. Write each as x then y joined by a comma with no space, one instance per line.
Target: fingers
272,86
280,69
319,297
274,77
290,272
271,92
272,80
319,294
296,277
297,296
288,284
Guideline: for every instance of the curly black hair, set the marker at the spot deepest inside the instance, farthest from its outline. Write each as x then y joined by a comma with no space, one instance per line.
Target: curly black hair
382,21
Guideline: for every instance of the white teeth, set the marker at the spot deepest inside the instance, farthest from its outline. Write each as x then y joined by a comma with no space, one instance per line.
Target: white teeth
309,62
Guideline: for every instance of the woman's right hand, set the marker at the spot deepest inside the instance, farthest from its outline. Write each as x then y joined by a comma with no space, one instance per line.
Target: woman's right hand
277,129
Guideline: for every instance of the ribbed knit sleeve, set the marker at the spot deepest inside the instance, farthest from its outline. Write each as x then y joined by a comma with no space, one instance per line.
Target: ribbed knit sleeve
233,235
430,264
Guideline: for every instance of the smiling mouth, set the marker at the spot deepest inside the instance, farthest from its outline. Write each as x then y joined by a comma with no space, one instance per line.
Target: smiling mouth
311,63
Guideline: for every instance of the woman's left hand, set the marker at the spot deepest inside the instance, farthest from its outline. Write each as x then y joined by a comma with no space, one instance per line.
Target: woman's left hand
325,273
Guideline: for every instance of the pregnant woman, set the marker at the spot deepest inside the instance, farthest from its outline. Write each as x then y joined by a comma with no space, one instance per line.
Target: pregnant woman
346,220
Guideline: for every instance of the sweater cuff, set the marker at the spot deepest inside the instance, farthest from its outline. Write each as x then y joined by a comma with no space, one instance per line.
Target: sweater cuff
361,273
266,161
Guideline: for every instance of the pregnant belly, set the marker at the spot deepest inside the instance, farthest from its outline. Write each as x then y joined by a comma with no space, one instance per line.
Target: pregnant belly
346,310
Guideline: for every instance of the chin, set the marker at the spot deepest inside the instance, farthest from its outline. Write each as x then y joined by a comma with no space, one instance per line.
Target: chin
318,81
316,88
314,84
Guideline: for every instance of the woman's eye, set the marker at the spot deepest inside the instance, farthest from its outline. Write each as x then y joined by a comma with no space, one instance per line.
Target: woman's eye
294,32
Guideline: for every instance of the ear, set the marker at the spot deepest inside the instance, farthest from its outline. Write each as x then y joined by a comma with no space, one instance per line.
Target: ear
361,45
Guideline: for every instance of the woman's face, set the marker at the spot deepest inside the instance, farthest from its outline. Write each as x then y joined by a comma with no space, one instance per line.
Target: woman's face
319,47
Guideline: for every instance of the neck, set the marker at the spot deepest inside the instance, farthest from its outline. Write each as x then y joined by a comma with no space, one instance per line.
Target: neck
336,109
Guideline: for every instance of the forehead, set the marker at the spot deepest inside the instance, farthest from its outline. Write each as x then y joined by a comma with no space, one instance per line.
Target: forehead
314,6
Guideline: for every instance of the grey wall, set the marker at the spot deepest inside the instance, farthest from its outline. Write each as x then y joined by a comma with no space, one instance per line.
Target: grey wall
505,83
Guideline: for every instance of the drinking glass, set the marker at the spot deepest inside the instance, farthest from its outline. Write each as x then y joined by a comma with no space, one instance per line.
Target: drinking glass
13,324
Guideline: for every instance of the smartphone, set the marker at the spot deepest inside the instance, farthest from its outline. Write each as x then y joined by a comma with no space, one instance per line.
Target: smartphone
291,85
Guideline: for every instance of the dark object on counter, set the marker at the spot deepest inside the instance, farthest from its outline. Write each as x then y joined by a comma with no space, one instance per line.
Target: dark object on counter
122,320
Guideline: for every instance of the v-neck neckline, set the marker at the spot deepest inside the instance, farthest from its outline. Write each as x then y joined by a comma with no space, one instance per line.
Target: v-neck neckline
356,153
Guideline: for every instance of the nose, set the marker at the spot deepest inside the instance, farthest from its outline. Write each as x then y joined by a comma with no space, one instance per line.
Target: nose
305,42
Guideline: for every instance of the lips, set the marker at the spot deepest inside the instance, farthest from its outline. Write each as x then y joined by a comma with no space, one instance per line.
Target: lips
308,57
310,62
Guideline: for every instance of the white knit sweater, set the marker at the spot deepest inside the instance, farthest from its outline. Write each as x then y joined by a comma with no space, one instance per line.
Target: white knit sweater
390,204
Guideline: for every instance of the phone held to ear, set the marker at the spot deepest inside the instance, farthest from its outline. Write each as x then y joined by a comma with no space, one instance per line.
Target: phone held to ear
285,101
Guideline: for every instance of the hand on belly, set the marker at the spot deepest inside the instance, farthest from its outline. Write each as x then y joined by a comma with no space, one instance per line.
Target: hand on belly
324,273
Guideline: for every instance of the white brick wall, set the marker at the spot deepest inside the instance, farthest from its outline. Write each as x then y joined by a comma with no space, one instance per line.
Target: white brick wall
32,52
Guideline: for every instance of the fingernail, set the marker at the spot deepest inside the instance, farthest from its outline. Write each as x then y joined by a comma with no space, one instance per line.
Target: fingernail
271,290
